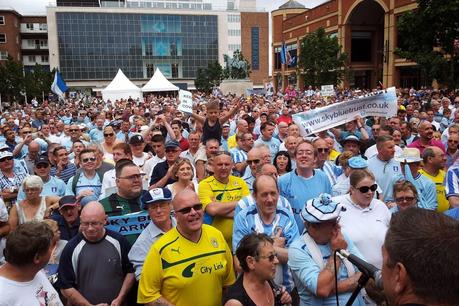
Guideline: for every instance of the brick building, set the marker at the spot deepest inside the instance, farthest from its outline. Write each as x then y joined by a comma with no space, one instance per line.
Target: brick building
24,38
366,31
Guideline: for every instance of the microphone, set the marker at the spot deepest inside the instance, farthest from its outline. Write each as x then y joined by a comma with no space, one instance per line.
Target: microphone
364,267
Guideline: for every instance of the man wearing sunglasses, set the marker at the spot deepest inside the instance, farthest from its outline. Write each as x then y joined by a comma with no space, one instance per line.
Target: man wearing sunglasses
310,257
197,262
88,184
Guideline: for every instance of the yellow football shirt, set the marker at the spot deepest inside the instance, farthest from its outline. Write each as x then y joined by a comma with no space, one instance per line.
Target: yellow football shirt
439,181
187,273
211,190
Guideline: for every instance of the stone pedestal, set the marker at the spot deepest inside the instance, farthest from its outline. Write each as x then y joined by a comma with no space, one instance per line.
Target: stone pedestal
237,87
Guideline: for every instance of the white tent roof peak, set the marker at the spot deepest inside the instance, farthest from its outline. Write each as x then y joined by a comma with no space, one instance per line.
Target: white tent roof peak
158,82
121,88
121,82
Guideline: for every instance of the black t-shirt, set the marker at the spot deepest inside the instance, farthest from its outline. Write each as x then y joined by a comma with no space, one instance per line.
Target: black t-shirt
160,171
211,132
237,292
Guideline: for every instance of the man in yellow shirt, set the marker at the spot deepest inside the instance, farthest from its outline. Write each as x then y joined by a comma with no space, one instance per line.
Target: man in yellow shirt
241,128
434,160
220,193
188,265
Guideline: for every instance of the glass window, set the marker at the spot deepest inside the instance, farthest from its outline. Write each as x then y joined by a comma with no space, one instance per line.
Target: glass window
2,20
43,27
3,55
2,38
29,26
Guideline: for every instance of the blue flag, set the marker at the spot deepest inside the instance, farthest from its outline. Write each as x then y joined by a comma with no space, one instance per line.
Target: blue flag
59,87
283,55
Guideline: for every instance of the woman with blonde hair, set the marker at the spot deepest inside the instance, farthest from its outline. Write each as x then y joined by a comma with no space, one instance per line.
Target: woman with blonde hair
184,173
35,207
109,142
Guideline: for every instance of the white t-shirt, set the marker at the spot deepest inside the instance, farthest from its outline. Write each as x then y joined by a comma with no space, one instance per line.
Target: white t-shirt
37,292
366,227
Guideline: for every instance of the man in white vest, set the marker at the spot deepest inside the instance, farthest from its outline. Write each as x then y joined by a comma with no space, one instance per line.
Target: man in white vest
310,257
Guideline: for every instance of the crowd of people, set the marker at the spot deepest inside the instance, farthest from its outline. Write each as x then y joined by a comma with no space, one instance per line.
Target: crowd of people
244,209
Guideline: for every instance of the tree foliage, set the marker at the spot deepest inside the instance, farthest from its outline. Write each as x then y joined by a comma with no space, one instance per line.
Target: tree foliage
209,77
11,80
427,36
14,82
321,61
237,67
38,82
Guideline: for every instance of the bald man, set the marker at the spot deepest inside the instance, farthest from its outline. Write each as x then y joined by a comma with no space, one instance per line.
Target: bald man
425,139
196,261
94,266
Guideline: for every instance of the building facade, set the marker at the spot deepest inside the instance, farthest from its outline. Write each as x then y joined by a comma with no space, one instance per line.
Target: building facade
366,30
89,44
24,38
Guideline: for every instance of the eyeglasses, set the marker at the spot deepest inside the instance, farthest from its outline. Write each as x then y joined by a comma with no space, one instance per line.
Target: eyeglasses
89,159
187,210
270,257
5,159
108,135
323,150
133,177
365,189
26,132
253,161
41,166
404,199
74,130
92,224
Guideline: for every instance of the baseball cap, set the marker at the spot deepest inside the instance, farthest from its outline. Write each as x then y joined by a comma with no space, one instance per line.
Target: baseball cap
321,209
136,139
4,154
4,146
42,159
68,200
172,144
155,195
351,138
357,162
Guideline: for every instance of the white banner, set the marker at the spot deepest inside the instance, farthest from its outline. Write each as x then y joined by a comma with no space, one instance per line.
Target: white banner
186,102
327,90
380,104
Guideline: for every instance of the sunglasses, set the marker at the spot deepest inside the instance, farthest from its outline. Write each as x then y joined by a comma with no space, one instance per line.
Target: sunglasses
41,166
253,161
74,130
85,160
5,159
404,199
26,132
365,189
187,210
270,257
323,150
108,135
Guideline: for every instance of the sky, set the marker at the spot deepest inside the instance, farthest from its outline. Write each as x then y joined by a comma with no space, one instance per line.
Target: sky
38,7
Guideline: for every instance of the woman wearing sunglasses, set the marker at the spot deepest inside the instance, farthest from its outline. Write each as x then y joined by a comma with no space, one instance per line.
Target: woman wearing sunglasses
255,286
109,142
366,219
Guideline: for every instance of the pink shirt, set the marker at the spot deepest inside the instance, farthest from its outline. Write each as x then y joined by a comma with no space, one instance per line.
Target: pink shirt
417,144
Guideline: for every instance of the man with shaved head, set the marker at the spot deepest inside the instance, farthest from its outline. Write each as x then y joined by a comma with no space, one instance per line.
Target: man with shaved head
94,266
188,262
425,140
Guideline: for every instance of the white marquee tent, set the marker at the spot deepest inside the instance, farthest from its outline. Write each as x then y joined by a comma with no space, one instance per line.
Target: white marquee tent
121,88
158,82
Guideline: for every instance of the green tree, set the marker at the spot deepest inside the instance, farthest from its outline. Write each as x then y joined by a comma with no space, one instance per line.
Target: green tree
427,36
237,67
11,80
210,77
321,61
38,82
